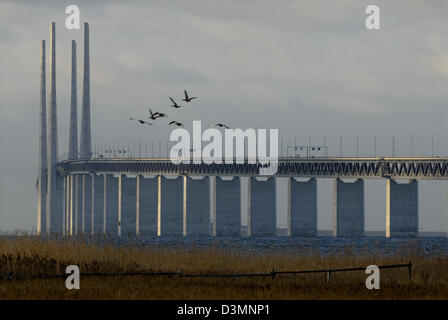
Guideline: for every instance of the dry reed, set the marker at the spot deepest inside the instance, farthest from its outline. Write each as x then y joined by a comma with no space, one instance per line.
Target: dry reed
28,255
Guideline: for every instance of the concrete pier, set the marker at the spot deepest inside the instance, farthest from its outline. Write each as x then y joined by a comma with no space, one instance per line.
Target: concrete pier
302,208
67,205
64,204
348,218
86,211
147,206
227,207
110,205
97,204
401,209
171,207
127,205
57,214
78,207
72,205
197,214
262,218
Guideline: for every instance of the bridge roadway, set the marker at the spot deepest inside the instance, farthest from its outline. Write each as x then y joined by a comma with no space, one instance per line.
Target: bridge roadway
432,168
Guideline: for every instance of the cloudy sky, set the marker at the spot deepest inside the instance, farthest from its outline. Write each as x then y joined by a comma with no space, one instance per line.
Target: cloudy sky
308,68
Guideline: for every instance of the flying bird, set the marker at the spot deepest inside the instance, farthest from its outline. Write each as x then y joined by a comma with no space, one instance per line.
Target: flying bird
160,115
153,115
175,123
221,125
187,98
156,115
174,105
141,121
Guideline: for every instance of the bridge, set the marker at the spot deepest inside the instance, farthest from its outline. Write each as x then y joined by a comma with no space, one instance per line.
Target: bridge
145,201
393,168
153,196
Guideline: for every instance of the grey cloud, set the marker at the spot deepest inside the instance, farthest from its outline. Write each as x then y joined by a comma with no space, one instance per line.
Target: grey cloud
308,68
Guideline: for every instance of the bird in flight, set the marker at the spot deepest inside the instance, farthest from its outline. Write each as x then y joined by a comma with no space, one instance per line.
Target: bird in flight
221,125
141,121
156,115
175,123
153,116
187,98
160,115
174,105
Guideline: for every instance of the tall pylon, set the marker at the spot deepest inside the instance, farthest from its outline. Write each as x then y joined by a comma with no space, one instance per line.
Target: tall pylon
73,134
85,118
52,196
42,161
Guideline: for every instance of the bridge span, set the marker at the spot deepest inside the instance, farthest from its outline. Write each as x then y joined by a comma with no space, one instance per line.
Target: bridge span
153,196
393,168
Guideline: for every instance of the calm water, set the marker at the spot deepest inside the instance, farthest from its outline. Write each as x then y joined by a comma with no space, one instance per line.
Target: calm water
321,245
430,246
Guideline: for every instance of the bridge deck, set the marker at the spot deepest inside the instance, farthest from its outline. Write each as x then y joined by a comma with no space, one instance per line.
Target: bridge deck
396,168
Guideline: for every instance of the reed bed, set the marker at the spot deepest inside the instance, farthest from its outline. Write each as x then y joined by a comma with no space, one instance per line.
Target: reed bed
34,256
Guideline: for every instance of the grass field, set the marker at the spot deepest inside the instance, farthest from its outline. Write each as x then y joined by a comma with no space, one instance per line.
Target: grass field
29,255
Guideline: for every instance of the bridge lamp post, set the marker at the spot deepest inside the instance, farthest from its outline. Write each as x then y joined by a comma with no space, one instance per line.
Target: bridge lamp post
432,145
340,146
357,146
374,146
393,146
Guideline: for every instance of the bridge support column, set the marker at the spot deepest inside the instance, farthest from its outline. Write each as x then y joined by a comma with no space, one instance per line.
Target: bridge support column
171,207
57,214
127,205
348,218
302,208
79,200
86,212
227,207
401,209
197,213
147,206
72,205
110,223
97,204
262,218
67,205
69,213
64,204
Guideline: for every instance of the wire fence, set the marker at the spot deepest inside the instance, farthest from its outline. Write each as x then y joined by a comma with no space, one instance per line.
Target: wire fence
180,274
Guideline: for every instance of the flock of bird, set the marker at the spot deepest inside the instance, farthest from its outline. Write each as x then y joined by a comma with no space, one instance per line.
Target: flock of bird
157,115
